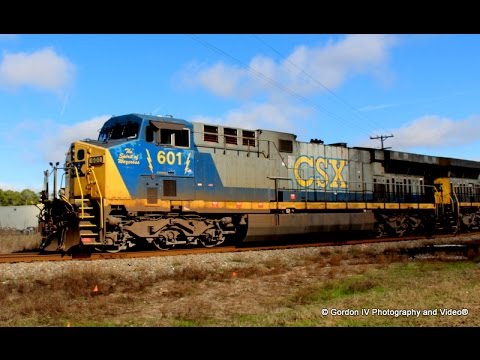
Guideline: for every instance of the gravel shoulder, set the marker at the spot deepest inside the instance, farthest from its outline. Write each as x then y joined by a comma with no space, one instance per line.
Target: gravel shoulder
284,287
218,261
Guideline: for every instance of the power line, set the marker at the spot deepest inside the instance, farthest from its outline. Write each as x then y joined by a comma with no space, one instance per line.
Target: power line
274,83
336,96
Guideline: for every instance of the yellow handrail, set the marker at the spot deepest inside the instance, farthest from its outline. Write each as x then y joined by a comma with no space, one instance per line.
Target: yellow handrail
101,198
455,202
80,188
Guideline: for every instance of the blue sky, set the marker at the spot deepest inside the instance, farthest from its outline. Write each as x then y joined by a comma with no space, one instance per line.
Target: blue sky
54,89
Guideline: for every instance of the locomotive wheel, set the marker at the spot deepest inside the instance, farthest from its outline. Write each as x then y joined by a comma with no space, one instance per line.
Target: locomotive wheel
380,231
111,250
401,232
209,242
160,243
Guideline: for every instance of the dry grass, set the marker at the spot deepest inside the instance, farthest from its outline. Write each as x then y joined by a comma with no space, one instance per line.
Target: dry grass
246,293
11,241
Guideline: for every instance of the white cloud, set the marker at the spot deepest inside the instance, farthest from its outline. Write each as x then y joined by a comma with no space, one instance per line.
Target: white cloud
330,65
280,84
432,131
19,187
333,63
270,116
221,79
51,140
56,144
37,142
43,69
376,107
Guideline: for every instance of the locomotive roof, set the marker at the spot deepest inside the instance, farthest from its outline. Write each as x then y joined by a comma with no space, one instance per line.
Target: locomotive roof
378,154
165,118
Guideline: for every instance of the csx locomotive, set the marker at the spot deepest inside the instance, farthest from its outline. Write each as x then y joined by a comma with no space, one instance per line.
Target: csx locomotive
168,182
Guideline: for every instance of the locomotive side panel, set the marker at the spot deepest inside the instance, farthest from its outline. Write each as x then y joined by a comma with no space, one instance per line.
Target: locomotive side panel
270,227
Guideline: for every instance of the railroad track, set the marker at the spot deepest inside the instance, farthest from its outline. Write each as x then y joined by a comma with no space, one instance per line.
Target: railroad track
35,256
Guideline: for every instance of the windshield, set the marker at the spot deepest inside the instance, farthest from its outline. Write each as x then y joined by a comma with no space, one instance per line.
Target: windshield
119,130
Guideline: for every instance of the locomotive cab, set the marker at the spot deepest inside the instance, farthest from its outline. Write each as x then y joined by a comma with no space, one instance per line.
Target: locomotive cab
137,164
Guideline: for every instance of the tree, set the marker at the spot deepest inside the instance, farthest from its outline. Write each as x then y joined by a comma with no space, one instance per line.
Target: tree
29,197
15,198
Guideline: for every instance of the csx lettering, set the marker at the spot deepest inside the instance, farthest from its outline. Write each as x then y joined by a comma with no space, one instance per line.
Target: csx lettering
325,178
169,157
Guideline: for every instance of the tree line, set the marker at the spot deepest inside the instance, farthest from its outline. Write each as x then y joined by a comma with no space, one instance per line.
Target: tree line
17,198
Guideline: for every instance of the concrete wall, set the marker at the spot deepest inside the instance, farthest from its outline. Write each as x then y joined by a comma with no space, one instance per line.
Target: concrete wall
18,217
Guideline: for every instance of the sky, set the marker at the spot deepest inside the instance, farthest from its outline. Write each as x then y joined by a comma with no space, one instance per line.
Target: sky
57,88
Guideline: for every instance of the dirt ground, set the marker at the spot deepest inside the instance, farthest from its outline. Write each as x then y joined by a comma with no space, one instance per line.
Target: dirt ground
354,286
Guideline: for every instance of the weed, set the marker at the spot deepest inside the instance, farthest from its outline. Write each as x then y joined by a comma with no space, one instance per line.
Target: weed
11,242
268,293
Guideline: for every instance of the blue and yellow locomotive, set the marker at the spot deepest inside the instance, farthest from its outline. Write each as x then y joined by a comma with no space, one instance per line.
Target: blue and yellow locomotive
167,182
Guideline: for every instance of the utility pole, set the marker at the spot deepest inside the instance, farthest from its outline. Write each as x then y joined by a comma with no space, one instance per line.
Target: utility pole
382,139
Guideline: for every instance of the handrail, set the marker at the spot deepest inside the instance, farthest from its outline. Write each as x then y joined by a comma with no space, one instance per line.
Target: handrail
455,202
81,191
278,151
419,192
101,198
365,188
